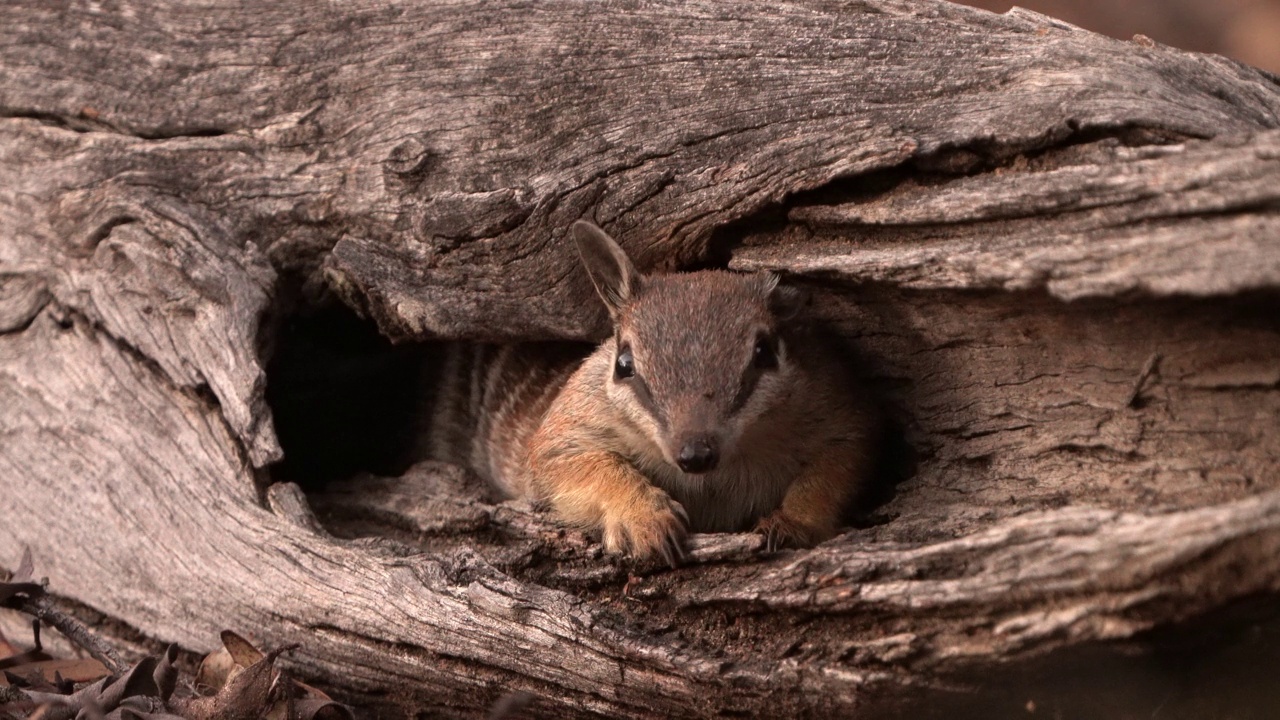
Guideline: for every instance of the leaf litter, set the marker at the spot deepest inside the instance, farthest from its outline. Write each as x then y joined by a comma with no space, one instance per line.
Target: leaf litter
236,682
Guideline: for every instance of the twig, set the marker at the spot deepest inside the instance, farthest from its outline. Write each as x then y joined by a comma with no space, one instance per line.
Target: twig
21,593
12,694
1147,368
76,632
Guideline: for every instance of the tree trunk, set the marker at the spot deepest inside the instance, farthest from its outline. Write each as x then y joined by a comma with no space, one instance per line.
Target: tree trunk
1056,254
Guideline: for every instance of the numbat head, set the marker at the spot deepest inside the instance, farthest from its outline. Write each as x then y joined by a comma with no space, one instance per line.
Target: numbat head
698,357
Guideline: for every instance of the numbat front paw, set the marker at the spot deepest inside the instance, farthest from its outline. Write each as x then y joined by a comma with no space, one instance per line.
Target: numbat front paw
780,531
652,525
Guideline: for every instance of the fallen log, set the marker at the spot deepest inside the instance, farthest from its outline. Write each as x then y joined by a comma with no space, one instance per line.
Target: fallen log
1054,252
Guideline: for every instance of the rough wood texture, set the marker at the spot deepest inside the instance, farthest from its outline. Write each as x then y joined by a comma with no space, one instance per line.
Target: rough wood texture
1056,252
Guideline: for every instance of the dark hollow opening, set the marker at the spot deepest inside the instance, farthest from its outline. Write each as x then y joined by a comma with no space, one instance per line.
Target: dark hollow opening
344,398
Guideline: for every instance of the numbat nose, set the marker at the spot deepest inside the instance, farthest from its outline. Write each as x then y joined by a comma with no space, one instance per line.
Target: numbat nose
697,456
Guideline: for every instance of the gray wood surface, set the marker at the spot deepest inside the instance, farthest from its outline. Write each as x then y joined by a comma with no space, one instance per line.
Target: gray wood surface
1057,253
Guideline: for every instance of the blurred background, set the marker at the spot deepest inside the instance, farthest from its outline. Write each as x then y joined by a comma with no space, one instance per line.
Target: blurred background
1247,30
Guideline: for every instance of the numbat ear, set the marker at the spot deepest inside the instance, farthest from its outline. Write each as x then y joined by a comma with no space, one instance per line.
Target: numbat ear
785,302
610,269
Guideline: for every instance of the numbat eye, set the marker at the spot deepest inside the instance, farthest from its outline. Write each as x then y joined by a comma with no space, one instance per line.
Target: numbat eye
764,357
624,367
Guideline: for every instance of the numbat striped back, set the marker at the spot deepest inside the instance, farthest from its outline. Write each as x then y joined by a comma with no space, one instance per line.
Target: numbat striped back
486,401
709,409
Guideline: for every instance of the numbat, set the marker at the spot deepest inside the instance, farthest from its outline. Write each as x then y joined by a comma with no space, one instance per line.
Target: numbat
708,411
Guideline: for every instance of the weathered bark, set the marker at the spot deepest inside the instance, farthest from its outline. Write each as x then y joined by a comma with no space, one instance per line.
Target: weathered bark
1056,252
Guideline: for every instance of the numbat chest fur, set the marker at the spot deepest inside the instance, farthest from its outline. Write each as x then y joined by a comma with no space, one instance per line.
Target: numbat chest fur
706,411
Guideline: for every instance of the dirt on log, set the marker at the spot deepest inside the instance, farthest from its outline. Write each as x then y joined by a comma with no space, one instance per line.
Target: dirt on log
1057,255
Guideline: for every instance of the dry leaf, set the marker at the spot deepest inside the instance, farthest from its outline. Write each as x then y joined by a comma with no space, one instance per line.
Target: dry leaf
76,670
214,671
242,651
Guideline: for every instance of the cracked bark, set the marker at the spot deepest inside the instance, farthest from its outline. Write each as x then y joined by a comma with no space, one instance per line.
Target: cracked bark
1054,251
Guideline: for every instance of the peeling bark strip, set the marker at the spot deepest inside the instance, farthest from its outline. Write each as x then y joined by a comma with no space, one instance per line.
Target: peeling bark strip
1010,217
1194,218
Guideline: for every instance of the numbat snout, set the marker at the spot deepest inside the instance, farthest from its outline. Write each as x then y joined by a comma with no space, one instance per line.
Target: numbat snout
708,410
